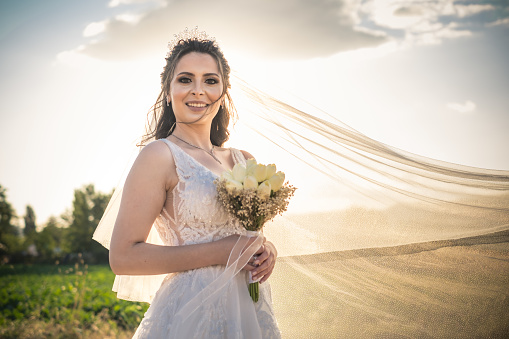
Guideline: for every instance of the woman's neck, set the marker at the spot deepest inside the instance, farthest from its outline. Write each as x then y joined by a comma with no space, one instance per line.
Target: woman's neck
197,135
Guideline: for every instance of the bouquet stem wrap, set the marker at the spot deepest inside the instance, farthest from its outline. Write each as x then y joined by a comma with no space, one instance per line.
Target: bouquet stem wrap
254,285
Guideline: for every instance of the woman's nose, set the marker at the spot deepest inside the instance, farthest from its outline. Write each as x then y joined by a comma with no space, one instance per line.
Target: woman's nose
197,89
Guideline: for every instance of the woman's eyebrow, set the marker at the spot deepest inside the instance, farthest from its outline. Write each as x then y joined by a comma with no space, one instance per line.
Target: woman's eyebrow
192,74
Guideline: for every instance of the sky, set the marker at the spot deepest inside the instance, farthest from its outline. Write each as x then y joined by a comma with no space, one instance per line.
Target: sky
78,78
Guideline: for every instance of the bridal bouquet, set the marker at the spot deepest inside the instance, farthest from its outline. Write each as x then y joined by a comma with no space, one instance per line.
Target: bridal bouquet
254,194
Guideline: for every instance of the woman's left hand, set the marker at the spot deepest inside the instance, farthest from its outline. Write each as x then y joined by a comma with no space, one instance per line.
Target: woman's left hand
264,262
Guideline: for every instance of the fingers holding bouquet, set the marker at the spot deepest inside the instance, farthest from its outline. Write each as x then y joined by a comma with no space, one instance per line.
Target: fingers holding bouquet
263,262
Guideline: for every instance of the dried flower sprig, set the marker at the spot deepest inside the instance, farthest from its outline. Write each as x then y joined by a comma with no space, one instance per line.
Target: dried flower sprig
249,207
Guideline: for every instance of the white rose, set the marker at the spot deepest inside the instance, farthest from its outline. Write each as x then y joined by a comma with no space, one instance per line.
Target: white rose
264,189
277,180
232,185
271,170
260,172
250,182
239,172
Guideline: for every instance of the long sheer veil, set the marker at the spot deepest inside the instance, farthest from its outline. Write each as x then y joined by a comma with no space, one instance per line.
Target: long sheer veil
379,261
351,262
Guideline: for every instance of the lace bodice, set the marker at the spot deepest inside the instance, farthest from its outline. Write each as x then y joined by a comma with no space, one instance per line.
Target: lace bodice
196,215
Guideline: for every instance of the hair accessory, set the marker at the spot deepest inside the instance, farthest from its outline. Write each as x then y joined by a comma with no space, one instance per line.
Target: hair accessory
187,34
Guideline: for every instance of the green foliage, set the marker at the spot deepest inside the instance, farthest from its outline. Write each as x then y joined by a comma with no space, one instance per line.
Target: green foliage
10,243
50,241
61,239
78,296
88,208
6,214
29,221
30,250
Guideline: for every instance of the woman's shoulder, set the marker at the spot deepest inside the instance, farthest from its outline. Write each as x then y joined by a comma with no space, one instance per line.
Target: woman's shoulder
155,160
156,150
155,155
247,155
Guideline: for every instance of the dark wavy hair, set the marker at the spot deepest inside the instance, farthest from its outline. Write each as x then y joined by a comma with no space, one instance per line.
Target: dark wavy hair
161,118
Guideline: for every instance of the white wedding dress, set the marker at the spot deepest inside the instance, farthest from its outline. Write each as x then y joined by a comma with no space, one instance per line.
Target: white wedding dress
200,303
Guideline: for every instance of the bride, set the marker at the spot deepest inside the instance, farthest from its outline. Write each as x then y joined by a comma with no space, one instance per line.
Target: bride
205,255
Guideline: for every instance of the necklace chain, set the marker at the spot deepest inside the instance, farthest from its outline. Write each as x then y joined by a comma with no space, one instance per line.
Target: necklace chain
211,152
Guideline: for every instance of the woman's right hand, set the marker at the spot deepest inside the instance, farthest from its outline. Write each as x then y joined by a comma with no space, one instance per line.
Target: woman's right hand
231,241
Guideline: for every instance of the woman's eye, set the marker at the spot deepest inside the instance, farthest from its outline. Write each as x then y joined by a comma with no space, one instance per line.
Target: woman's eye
184,80
211,81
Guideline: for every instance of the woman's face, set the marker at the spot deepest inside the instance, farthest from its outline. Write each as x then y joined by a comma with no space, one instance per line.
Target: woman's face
195,88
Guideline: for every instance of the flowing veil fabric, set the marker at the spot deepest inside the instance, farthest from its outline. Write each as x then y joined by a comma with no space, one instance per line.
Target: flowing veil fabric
351,264
371,176
399,250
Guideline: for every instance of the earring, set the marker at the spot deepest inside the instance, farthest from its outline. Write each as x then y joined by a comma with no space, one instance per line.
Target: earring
167,102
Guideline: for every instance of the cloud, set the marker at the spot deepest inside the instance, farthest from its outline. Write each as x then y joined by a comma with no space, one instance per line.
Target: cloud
467,107
499,22
408,11
285,28
95,28
116,3
436,33
431,21
288,29
467,10
131,18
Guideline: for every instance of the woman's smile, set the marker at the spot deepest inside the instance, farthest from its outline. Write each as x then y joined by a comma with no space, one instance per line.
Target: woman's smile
197,105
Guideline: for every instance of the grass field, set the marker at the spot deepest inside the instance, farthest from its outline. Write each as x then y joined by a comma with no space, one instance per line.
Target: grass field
39,301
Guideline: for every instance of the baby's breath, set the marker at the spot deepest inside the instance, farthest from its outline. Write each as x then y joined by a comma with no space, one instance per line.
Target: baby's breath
249,208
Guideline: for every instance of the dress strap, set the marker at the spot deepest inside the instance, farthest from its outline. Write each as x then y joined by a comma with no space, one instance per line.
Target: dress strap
180,159
238,156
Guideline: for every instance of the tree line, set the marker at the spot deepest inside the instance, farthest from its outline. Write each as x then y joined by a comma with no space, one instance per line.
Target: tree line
61,239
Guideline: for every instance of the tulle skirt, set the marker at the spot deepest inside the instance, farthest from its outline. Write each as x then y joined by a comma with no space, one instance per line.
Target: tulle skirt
177,312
